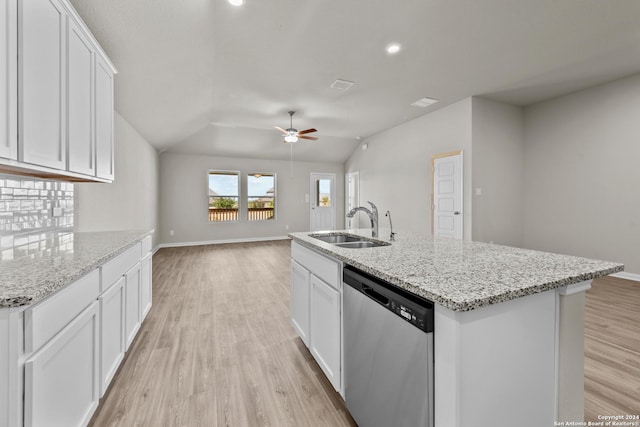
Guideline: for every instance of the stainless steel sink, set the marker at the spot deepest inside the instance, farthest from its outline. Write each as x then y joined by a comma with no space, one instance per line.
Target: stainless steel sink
349,241
362,244
336,238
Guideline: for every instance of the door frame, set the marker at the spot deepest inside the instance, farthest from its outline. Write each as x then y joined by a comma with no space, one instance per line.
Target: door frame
333,178
356,175
433,159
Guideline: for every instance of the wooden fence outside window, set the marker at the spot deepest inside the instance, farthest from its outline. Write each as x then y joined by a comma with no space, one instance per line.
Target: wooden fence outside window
231,214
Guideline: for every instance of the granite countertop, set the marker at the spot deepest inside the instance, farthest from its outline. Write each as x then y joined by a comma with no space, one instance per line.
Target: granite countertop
64,257
462,275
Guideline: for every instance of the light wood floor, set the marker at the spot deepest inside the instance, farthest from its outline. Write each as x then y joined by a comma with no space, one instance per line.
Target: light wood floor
217,348
612,348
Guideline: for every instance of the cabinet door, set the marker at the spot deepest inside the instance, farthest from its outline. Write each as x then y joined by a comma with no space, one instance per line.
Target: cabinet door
61,380
104,119
145,285
80,149
132,303
300,301
325,329
42,83
112,339
8,82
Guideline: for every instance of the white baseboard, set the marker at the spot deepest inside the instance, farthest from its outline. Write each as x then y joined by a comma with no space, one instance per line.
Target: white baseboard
220,242
628,276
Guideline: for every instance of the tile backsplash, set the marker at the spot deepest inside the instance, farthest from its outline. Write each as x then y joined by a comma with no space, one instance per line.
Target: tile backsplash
27,213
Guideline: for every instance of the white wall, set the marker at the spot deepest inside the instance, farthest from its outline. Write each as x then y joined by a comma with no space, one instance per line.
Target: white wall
184,198
131,201
498,171
582,174
395,169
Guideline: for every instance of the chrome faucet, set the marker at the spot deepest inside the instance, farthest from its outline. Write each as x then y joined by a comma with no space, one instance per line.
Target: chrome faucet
373,216
392,236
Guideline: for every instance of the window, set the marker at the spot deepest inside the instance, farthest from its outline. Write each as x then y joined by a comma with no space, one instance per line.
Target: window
223,195
323,192
261,196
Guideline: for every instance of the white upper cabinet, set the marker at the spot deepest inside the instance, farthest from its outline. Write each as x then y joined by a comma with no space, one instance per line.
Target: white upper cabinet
8,82
42,88
56,94
81,151
104,119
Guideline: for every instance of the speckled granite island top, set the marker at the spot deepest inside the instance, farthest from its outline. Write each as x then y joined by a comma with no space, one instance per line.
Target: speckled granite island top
463,275
64,258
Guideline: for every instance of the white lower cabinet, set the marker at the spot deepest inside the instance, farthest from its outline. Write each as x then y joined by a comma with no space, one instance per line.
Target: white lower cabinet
59,355
61,379
325,329
132,304
300,301
112,339
316,312
145,285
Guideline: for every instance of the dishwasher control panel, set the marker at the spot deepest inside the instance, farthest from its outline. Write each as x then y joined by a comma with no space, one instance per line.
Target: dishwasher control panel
410,307
410,315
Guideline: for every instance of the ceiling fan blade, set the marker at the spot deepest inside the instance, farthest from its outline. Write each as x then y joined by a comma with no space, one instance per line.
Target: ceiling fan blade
302,132
311,138
281,130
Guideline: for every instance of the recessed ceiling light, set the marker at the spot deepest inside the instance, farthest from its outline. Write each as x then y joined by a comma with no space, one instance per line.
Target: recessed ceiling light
236,2
393,48
424,102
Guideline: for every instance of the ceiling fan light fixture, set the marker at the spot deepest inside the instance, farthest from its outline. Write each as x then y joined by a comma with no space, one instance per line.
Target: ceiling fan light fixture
292,134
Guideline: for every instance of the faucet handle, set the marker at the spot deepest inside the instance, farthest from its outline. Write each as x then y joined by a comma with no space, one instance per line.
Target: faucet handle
373,206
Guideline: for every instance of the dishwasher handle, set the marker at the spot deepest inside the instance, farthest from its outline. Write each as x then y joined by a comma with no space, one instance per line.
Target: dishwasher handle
368,291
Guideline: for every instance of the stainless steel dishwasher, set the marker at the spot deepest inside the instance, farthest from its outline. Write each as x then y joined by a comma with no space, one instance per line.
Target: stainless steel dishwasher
388,353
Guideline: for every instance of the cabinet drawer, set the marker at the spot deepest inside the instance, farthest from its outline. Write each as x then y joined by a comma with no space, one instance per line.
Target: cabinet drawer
118,266
323,267
47,318
146,245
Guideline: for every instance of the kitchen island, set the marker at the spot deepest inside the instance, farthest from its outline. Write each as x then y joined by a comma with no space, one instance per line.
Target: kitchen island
508,334
70,306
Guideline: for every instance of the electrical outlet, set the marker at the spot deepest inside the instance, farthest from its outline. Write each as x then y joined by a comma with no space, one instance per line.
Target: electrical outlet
56,212
171,233
286,227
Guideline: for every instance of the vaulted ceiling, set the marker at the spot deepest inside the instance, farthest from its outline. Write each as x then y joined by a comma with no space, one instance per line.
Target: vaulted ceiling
206,77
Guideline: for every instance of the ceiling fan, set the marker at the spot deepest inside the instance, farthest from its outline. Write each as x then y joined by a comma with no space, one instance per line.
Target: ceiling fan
292,135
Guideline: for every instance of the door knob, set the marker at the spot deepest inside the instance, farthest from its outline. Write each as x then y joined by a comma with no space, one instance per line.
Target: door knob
456,213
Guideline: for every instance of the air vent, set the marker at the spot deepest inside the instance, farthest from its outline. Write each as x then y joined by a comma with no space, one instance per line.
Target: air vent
342,84
424,102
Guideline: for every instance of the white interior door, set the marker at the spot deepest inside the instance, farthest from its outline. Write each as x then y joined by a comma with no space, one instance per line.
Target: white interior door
447,196
352,197
323,201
